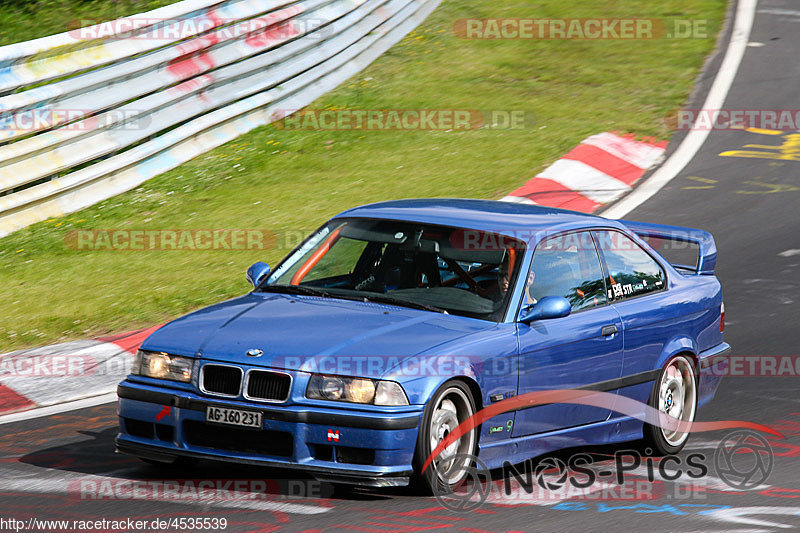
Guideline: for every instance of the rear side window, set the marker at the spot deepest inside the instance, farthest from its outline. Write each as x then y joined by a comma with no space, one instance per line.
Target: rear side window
568,266
631,271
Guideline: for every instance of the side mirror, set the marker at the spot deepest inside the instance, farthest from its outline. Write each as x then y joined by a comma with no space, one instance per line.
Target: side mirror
547,307
257,272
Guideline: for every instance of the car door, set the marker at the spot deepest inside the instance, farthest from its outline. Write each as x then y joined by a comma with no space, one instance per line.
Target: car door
637,289
581,349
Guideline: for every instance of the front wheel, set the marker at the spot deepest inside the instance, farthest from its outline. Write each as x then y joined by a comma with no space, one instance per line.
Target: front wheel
675,394
450,406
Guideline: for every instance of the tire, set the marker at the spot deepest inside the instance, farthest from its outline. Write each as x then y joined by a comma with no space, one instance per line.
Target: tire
452,404
675,392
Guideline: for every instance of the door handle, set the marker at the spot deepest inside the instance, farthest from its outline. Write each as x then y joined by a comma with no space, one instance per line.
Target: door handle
609,330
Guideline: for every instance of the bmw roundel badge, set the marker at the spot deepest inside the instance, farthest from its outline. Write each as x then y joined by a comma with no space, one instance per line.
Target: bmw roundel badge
254,352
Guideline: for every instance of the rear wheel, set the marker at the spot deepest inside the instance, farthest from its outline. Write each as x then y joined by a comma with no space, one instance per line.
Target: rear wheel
450,406
674,394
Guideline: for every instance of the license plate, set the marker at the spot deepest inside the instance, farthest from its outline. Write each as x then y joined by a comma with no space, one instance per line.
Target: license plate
233,417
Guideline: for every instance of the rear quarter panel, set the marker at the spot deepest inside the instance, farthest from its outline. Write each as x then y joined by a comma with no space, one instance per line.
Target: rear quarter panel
683,319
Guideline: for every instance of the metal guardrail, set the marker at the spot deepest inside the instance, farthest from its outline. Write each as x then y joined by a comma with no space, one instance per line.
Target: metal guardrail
84,118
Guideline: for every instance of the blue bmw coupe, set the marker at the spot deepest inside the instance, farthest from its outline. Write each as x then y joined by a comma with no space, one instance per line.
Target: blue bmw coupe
395,323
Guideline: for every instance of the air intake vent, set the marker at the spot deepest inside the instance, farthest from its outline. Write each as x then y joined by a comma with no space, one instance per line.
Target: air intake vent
221,380
268,386
140,429
276,443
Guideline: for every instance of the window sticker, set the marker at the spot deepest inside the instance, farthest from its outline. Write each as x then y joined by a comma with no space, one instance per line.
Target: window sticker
632,272
299,254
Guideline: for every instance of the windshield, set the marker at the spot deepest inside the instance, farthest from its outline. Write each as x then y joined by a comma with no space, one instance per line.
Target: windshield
443,269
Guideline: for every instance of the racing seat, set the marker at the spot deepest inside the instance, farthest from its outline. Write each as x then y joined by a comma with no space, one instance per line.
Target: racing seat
399,269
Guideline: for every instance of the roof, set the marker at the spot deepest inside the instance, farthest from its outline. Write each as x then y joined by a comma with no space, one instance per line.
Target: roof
507,218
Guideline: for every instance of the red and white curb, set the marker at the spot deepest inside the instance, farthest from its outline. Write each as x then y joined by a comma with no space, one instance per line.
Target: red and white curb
598,171
66,372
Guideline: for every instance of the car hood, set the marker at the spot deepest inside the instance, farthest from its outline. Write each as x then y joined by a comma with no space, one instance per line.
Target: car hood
294,332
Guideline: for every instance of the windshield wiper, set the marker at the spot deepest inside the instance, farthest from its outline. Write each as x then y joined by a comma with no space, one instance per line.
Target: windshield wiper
383,298
378,298
296,289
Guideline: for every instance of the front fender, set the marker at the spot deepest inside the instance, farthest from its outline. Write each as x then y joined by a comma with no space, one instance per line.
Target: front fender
491,361
422,375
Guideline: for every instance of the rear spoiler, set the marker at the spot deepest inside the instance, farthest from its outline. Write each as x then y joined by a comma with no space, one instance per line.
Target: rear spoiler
707,252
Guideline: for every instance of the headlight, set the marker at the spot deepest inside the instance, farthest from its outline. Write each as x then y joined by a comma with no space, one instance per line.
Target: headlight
162,366
355,390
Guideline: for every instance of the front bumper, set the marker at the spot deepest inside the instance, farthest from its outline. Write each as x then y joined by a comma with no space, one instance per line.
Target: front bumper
341,445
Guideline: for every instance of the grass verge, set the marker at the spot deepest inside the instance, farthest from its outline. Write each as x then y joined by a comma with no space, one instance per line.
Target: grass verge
289,181
23,20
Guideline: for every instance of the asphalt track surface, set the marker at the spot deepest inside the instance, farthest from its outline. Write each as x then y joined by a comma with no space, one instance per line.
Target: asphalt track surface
51,465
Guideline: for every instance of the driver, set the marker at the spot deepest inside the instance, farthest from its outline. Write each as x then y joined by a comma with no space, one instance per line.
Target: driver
498,290
529,299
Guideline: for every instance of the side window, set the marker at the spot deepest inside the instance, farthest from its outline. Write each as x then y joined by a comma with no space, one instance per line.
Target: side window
631,270
568,266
